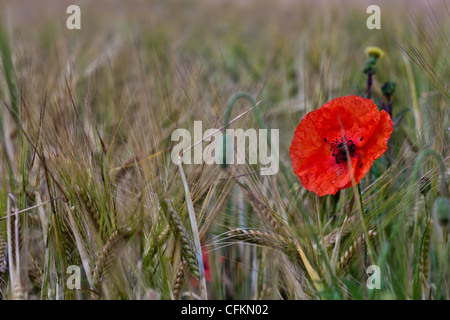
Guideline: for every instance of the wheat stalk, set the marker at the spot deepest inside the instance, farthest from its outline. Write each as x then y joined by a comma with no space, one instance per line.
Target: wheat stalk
179,279
347,258
107,252
13,238
3,254
263,238
345,229
424,265
194,230
261,209
186,246
35,272
91,208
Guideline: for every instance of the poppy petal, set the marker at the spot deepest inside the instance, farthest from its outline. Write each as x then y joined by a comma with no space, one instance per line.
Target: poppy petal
306,138
318,166
376,145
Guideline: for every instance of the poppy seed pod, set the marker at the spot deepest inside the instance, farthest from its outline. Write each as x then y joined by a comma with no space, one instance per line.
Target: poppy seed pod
441,211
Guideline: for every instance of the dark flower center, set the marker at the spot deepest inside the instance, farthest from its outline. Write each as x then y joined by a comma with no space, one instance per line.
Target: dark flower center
342,149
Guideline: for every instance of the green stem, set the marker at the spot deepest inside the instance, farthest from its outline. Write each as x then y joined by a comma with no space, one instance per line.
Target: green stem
366,231
369,85
248,97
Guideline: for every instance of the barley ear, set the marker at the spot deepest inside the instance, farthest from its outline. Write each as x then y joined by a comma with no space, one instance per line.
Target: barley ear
179,279
179,231
349,256
425,248
107,253
263,238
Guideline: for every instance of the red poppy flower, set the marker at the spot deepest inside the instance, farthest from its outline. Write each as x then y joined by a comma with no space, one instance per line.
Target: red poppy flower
339,140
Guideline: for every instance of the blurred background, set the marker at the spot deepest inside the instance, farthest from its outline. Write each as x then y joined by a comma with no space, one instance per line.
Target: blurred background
100,104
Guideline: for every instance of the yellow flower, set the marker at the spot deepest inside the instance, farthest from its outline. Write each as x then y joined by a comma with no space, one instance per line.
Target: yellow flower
374,51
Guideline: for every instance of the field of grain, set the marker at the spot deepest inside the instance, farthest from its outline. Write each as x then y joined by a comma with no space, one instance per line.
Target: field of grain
89,190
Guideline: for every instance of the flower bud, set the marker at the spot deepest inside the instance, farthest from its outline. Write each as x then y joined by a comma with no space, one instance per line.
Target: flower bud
388,88
441,211
425,185
376,52
373,54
